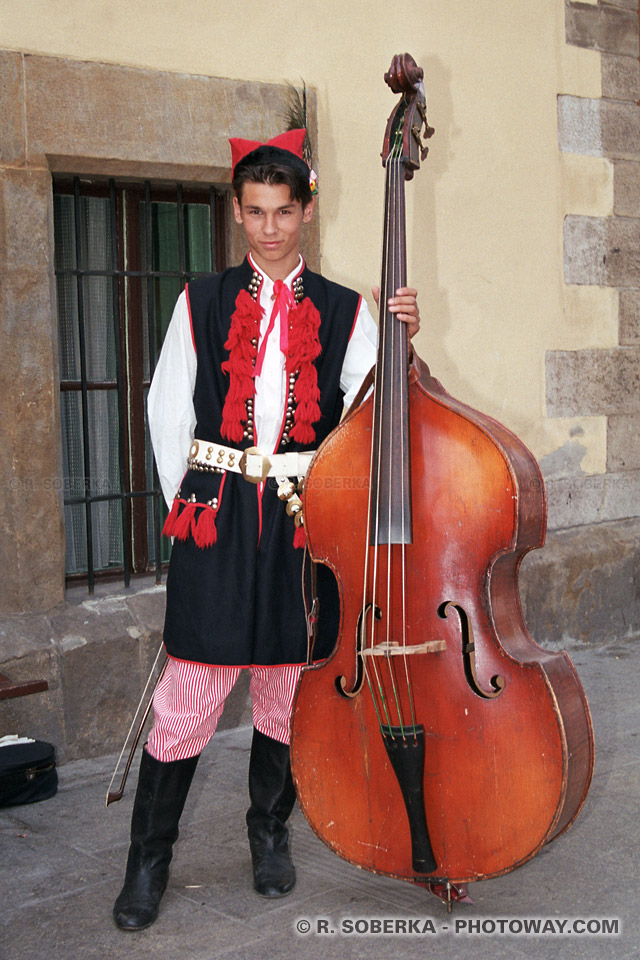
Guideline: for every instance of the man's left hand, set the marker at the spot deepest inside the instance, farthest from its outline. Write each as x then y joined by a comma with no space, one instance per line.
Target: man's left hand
404,305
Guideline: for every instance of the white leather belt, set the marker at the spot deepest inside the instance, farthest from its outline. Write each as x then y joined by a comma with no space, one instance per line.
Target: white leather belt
254,465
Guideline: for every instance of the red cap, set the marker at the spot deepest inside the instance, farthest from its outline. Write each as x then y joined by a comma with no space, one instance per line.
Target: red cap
290,141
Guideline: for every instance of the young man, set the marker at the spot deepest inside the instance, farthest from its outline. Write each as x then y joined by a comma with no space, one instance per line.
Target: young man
264,356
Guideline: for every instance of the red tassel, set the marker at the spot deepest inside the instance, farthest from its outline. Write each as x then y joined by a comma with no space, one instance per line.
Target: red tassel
303,433
299,538
244,328
304,348
182,525
204,531
168,529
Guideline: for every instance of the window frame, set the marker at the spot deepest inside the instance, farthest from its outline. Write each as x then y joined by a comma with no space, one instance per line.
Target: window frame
126,262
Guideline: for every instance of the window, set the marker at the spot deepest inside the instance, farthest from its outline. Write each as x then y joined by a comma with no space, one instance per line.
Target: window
123,253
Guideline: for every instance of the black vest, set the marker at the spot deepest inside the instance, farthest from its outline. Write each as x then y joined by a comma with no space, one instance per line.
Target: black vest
239,601
212,302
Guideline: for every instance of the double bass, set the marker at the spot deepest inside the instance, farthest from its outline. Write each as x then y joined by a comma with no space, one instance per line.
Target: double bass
438,743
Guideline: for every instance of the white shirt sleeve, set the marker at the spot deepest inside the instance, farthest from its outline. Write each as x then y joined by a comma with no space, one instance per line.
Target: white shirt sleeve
172,417
360,355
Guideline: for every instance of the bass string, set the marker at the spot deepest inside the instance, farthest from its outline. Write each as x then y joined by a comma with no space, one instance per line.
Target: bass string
404,396
400,354
375,470
394,276
392,265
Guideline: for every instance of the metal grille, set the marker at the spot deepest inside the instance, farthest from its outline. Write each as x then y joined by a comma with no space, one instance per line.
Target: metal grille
123,252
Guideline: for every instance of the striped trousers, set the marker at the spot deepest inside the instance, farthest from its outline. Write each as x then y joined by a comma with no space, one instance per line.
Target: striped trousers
190,698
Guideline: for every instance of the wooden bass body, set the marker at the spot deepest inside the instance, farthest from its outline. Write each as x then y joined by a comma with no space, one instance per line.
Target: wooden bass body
508,746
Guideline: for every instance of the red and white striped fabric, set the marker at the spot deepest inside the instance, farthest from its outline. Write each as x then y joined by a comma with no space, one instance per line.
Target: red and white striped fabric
189,701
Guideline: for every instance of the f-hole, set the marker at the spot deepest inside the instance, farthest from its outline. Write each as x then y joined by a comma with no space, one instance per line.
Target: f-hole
341,682
469,653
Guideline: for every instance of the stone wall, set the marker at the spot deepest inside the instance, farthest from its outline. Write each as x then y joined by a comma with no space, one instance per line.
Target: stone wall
603,251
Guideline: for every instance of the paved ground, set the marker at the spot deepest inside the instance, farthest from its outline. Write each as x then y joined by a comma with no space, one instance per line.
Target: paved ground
61,866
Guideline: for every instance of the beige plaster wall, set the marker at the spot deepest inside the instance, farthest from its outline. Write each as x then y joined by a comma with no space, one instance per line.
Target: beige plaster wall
485,212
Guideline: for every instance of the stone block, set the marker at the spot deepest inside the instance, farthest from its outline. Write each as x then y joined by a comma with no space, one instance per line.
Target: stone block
602,250
147,608
626,186
623,442
27,309
93,110
579,125
629,316
620,127
626,4
31,511
24,636
95,620
580,501
34,559
620,78
26,199
604,28
622,251
593,382
585,250
12,133
582,585
101,691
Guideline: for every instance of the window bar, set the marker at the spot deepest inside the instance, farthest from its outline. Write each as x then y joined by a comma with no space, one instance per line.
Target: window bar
221,240
102,497
156,498
72,272
83,377
212,229
180,208
122,410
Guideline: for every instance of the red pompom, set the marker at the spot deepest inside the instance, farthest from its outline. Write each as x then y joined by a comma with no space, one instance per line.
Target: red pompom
168,529
182,525
204,531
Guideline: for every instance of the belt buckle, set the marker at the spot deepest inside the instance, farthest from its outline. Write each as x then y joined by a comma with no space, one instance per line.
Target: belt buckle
264,466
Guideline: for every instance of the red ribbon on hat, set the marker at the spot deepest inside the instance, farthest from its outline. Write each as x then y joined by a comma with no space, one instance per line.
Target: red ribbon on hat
292,141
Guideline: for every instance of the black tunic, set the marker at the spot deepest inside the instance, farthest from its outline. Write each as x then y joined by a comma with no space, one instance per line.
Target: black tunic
239,602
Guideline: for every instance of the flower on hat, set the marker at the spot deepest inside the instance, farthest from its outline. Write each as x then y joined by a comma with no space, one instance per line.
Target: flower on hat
313,182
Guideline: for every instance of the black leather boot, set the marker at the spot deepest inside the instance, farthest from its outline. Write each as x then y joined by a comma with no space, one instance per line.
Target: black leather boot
272,798
160,797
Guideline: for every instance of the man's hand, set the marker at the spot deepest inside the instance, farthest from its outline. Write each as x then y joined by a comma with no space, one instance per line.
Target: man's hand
404,305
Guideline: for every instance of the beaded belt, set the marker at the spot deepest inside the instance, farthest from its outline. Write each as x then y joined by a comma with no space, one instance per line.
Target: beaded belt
254,465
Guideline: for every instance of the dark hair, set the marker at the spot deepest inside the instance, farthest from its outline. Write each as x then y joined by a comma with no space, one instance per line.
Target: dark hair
293,174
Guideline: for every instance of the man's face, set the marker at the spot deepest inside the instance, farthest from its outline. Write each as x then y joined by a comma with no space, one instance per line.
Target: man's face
272,223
